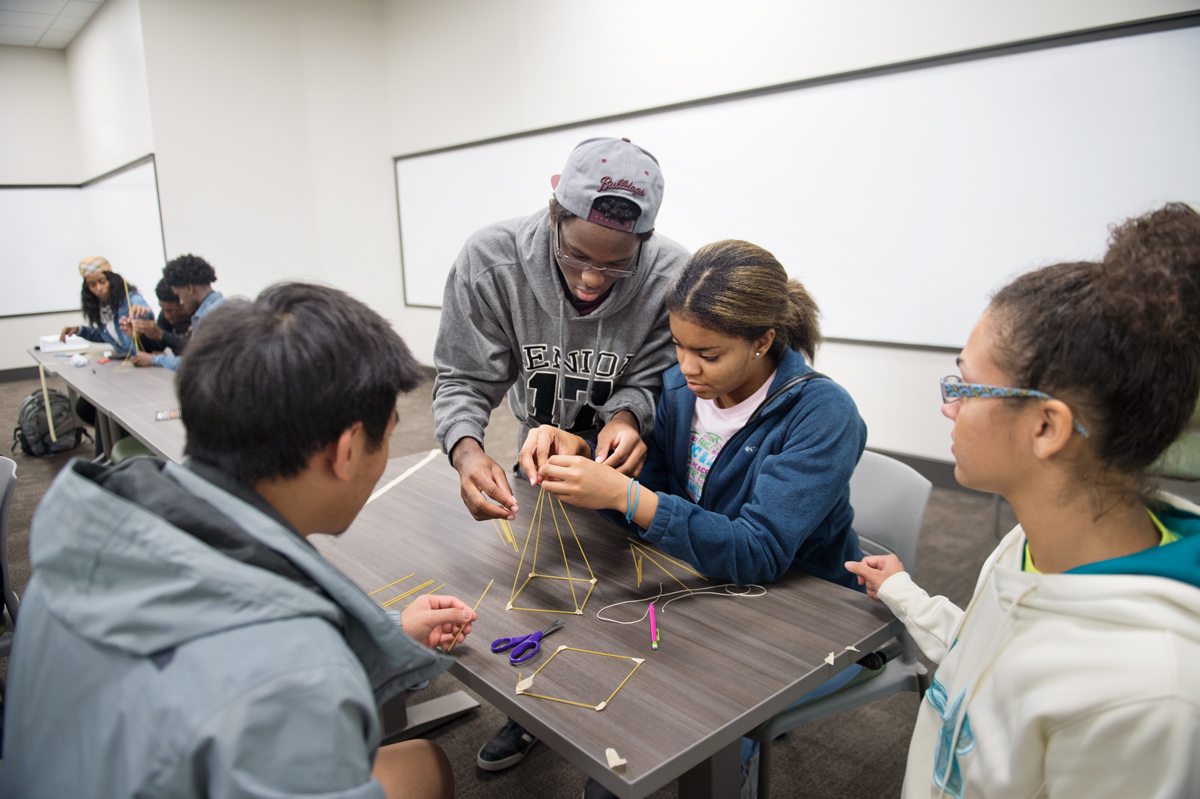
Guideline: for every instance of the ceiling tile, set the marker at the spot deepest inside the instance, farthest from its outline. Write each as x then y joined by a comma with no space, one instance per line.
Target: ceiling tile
72,24
25,19
56,39
76,8
35,6
10,34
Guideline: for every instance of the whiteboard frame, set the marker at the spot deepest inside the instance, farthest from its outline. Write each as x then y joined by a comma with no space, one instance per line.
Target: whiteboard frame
91,182
1169,22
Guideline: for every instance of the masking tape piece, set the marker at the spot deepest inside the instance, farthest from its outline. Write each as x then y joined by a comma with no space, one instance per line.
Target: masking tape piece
525,684
614,760
602,705
852,648
829,658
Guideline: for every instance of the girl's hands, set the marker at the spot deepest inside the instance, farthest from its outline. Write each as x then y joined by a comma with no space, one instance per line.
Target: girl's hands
543,442
68,331
584,483
873,570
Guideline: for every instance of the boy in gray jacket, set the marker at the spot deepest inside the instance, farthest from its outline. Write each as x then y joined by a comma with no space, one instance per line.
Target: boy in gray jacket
180,636
564,311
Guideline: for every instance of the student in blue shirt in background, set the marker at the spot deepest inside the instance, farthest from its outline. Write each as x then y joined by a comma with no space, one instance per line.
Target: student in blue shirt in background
190,278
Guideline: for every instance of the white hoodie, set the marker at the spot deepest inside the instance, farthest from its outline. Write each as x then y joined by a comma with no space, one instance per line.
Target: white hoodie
1075,685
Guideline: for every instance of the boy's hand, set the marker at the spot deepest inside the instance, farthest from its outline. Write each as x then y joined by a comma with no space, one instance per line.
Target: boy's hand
142,359
547,440
480,477
620,445
873,570
435,620
147,328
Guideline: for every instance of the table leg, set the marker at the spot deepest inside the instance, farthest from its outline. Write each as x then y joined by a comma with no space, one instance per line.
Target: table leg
401,721
719,777
104,429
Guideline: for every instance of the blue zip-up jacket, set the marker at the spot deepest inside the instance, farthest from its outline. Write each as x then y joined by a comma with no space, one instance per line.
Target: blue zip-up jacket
172,361
777,496
123,343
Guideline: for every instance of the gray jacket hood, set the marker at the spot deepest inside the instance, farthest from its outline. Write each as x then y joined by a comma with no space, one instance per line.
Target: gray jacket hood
120,575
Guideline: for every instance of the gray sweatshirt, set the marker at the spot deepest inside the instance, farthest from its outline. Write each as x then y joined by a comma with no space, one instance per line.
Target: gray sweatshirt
507,326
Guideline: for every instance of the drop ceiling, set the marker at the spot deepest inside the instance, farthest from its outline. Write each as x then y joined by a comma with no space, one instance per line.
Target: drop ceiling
44,23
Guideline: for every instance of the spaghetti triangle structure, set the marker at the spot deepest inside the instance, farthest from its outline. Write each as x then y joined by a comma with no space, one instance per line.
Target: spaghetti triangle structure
536,525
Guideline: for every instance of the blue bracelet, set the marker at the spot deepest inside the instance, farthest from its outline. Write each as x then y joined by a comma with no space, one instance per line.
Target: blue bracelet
630,510
628,501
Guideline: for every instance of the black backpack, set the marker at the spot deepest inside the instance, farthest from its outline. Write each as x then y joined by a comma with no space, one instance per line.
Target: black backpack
33,431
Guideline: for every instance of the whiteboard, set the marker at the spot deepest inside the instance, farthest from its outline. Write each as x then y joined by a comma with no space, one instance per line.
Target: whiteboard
46,231
901,200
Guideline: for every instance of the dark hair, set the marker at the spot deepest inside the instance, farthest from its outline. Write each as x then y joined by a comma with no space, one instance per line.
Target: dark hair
116,296
266,384
739,289
164,293
189,270
617,208
1119,340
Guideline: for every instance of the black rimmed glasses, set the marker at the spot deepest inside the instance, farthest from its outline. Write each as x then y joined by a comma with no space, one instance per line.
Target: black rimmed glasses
953,389
584,266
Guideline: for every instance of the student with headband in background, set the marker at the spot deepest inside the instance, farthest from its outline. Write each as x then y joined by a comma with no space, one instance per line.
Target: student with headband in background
1073,670
109,303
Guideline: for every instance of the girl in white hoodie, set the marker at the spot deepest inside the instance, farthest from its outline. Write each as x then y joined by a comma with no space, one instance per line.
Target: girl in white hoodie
1075,669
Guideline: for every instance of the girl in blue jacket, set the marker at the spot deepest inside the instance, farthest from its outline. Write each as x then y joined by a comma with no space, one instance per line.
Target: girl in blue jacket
749,466
107,299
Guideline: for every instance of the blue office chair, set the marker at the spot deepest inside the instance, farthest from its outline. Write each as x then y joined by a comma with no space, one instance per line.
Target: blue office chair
889,500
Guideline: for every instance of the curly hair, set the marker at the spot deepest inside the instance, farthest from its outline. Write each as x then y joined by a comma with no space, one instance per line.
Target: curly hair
740,290
1118,340
189,270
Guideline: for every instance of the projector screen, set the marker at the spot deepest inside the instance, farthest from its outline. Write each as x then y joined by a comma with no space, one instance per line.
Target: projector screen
46,231
901,199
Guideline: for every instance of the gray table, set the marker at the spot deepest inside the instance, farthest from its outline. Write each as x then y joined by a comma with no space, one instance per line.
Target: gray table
126,399
724,665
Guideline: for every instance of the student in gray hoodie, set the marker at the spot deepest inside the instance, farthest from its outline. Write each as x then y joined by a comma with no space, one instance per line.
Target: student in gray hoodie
563,310
180,636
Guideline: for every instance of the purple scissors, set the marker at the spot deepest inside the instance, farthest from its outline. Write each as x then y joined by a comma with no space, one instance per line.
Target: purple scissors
525,647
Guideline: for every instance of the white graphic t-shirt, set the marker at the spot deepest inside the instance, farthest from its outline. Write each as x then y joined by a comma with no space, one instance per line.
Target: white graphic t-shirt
711,428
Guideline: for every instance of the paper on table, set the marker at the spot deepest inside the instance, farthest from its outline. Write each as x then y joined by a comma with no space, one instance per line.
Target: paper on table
72,344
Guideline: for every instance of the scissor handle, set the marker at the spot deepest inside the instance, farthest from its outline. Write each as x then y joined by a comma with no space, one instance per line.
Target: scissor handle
525,649
500,644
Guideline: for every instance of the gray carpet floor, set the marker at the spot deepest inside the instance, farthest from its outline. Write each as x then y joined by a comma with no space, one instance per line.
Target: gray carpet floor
859,755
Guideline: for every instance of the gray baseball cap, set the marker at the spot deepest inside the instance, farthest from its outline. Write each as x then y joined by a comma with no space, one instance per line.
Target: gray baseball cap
610,168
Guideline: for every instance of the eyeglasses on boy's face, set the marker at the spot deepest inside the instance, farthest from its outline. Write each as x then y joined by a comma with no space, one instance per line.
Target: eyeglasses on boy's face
954,389
584,266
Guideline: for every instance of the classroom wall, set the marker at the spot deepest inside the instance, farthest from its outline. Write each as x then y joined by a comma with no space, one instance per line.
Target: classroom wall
108,88
37,137
37,146
465,71
270,133
274,122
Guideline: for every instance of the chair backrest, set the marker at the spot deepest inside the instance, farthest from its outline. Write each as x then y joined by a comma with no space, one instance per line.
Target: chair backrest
8,484
889,500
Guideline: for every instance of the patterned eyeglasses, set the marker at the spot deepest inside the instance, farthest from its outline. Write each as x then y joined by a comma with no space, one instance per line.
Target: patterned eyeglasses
953,388
584,266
